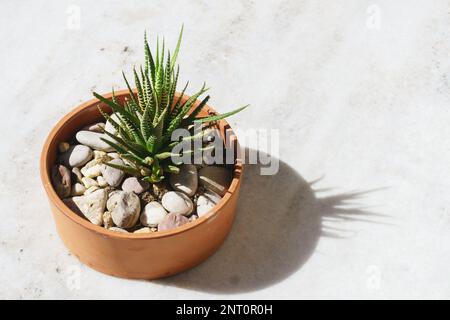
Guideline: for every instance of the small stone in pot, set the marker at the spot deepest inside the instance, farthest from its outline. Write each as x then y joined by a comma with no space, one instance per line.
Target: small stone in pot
116,229
61,180
172,221
92,205
153,214
77,175
93,140
76,156
113,155
143,230
125,208
91,189
133,184
102,181
107,220
177,202
77,189
92,169
96,127
101,156
206,202
89,182
112,175
63,147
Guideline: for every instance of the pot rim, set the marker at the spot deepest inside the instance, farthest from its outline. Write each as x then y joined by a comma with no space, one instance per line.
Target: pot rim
57,201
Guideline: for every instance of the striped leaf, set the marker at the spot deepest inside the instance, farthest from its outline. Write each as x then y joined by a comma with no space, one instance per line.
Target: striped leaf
140,93
149,62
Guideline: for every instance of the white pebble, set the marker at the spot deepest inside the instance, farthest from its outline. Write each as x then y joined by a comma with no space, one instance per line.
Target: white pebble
125,208
177,203
89,182
76,156
112,175
102,181
92,205
92,169
77,189
153,214
206,202
116,229
91,189
94,140
143,230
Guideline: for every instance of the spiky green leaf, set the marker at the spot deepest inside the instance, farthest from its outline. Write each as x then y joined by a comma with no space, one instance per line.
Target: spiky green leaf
221,116
177,48
193,115
149,62
151,143
140,93
132,96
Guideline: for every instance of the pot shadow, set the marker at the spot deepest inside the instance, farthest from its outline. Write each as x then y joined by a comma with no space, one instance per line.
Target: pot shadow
279,221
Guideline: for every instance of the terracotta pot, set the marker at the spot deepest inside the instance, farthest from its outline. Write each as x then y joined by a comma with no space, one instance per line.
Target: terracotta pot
138,256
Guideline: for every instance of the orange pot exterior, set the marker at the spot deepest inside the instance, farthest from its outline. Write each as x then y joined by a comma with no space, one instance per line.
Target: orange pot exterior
136,256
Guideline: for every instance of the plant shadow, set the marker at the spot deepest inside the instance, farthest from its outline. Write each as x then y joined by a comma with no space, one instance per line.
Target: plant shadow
279,222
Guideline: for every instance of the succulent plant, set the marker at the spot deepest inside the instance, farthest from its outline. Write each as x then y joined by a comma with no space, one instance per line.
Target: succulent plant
145,122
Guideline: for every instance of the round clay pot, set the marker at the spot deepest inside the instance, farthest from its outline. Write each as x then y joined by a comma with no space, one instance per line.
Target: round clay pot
128,255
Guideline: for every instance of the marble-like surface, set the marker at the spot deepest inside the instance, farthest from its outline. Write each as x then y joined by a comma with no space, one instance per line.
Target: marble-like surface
359,91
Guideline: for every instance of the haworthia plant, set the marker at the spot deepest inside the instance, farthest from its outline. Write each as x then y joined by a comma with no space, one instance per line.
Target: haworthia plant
145,122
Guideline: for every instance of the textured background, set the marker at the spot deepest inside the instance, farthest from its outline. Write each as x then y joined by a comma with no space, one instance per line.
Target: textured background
359,91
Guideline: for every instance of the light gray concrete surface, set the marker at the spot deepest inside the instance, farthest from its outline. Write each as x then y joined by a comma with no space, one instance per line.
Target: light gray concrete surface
359,91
